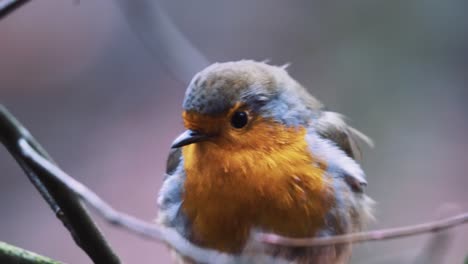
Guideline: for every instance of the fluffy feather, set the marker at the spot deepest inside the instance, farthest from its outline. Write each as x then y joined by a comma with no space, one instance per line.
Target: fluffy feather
291,170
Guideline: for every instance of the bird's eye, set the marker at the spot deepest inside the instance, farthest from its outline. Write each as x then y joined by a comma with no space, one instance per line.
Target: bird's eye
239,119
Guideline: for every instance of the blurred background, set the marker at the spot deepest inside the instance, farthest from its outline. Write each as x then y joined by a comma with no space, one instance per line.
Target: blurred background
100,85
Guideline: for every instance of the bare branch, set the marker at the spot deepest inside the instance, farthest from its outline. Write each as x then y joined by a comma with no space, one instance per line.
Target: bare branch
435,250
376,235
13,255
64,203
107,212
8,6
41,165
149,230
114,217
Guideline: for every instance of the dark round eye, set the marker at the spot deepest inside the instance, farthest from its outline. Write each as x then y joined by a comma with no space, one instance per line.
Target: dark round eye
239,119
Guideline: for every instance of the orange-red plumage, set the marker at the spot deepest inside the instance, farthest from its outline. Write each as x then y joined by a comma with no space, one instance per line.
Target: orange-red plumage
260,154
265,170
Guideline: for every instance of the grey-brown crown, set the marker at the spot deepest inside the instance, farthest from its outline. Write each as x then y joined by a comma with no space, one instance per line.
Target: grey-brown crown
220,86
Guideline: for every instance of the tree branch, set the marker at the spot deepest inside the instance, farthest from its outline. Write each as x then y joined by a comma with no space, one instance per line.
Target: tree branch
114,217
8,6
59,189
149,230
64,203
30,155
376,235
13,255
39,163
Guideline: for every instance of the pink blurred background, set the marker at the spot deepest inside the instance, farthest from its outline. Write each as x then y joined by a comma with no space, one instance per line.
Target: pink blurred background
105,102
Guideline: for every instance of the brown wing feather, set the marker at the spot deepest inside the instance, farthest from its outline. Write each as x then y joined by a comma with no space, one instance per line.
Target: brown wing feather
173,160
331,126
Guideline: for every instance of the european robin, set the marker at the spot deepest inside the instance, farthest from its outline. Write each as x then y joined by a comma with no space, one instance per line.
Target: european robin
260,154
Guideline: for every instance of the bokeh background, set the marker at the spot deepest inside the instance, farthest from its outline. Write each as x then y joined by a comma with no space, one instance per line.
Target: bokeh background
100,85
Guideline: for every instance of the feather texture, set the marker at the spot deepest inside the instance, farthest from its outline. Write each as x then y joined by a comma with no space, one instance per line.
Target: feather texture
290,170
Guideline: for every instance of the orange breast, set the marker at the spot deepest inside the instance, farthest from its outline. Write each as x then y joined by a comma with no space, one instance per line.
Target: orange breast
271,181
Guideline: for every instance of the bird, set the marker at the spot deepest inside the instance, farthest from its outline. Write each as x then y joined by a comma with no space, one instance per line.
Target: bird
261,154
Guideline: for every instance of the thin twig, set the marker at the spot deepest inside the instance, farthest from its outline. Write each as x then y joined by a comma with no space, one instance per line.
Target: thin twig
107,212
64,203
13,255
150,230
376,235
114,217
7,6
436,248
43,166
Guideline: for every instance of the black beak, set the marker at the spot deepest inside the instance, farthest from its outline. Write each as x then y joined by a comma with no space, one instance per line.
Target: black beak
188,137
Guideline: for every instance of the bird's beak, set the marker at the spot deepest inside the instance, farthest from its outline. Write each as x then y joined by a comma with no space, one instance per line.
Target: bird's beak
189,137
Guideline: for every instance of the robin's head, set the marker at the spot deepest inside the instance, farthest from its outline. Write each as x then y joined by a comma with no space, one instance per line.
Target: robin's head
227,102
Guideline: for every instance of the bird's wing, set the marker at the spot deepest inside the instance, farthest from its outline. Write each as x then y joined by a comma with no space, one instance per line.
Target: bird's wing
170,194
331,126
173,160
